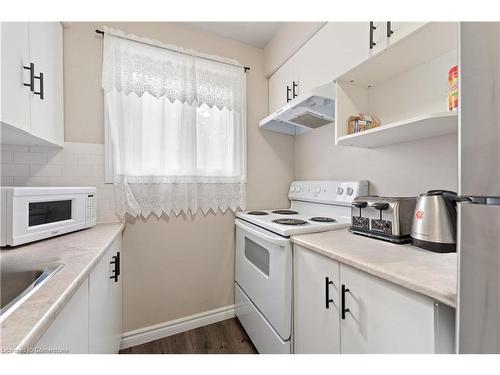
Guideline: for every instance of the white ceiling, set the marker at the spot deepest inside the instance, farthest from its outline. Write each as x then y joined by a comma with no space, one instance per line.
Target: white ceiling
257,34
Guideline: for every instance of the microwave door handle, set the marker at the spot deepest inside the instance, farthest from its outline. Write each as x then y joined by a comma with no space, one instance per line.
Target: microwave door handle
275,240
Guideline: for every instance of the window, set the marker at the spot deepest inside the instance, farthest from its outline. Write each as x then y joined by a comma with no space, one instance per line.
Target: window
175,129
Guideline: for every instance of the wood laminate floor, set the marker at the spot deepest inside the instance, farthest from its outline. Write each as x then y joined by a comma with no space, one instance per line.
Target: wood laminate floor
226,337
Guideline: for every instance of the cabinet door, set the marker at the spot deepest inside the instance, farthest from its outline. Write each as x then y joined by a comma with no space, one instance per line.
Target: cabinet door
15,97
105,304
379,37
47,114
402,29
278,83
383,317
335,48
316,326
69,332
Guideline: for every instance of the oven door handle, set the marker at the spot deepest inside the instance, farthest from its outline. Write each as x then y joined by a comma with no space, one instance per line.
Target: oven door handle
280,241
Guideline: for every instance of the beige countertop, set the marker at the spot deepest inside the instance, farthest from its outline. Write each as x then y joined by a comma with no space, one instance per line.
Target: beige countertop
425,272
79,252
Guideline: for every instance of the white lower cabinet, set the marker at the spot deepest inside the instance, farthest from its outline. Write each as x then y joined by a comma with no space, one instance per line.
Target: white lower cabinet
69,333
105,303
91,321
379,316
316,310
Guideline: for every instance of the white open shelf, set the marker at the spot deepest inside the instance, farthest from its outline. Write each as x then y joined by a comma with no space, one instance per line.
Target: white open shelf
425,126
405,86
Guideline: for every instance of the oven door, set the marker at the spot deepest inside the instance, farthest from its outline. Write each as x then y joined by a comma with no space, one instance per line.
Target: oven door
263,271
35,217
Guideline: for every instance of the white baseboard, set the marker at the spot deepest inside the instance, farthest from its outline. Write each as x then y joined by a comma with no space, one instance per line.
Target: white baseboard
158,331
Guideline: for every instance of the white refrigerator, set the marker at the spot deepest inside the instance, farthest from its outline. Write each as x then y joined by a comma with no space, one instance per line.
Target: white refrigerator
478,247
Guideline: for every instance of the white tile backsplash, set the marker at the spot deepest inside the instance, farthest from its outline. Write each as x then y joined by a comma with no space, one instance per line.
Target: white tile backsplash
15,170
7,157
45,170
77,164
21,157
15,148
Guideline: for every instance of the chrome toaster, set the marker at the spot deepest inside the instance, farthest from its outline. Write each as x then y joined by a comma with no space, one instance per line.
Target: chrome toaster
385,218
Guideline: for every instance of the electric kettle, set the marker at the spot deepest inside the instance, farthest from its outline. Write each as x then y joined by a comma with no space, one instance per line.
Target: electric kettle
435,221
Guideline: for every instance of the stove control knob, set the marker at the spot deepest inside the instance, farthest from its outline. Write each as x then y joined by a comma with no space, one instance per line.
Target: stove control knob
350,191
298,189
317,191
340,190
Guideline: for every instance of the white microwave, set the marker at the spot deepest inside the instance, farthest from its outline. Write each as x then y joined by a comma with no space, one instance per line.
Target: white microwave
34,213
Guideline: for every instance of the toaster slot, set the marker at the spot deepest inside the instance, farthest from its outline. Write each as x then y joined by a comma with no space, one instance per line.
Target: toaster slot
359,222
380,225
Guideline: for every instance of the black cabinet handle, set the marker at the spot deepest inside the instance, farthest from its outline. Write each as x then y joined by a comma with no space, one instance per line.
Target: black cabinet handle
288,91
31,68
328,300
294,92
389,29
116,271
372,28
344,309
40,78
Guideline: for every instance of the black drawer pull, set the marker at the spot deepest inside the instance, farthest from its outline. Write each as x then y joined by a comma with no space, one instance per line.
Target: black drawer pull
31,68
116,271
288,91
295,85
389,29
40,93
344,309
328,300
372,28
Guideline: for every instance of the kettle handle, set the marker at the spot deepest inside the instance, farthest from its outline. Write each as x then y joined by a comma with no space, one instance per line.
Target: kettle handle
441,192
450,199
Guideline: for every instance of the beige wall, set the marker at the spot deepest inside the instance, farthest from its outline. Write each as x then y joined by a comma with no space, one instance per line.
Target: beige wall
404,169
181,266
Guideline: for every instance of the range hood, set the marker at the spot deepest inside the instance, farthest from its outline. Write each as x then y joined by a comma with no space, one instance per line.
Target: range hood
304,113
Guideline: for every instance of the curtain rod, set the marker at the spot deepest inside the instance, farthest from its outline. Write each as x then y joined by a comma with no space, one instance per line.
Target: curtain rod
245,68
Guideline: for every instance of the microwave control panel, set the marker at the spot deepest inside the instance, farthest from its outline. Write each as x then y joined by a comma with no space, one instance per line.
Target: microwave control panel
90,212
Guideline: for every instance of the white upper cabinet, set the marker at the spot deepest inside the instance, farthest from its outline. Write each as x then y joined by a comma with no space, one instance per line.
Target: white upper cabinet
46,49
376,38
15,96
280,90
333,49
395,31
32,83
405,86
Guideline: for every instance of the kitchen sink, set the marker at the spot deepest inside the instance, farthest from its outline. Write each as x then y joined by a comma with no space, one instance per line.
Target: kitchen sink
16,285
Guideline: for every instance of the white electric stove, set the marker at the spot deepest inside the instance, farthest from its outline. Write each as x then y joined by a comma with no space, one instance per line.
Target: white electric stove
264,255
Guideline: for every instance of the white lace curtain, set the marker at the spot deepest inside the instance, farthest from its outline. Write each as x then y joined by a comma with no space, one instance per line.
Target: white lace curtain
176,128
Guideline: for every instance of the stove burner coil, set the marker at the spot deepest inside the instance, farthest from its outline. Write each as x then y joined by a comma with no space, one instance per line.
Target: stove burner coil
257,213
323,219
284,212
290,221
